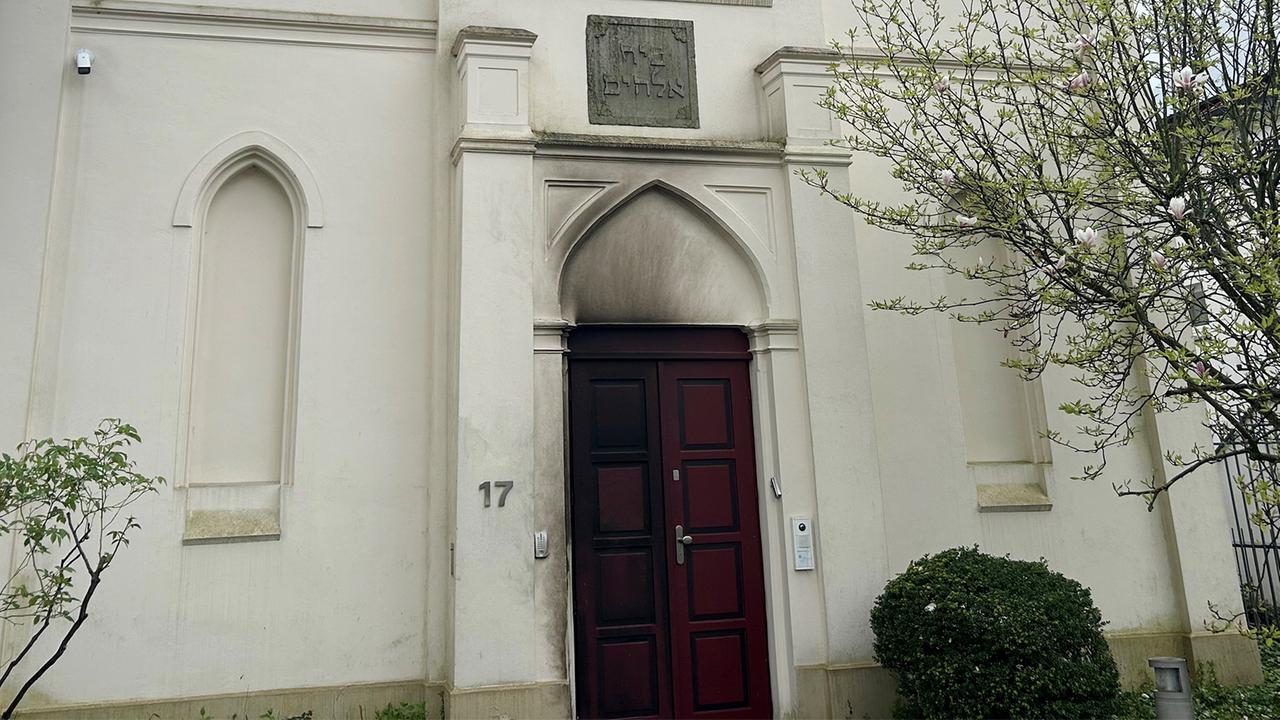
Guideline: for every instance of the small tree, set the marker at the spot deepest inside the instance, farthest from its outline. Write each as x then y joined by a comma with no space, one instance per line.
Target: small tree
1124,154
64,502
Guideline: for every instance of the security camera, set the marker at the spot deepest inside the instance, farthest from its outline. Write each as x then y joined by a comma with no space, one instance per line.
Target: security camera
84,61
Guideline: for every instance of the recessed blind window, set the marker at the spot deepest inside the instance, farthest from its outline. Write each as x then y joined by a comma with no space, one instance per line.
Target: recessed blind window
239,376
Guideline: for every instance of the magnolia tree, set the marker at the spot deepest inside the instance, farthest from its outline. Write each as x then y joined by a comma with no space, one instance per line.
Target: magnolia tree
65,505
1123,156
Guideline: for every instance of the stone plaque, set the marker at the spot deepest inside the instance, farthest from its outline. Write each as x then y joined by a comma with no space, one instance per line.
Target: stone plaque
640,71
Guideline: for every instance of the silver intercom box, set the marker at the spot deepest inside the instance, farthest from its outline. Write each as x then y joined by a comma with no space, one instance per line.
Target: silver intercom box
802,542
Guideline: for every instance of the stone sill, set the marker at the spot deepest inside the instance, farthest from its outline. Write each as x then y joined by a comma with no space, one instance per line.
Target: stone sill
206,527
1013,497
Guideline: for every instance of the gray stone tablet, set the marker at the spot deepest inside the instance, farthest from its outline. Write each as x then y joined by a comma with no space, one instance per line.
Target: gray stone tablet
640,71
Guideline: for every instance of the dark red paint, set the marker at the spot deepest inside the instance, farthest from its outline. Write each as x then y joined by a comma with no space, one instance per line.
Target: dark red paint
656,639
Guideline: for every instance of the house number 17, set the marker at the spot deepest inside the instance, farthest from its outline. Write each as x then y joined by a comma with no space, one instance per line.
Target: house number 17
503,485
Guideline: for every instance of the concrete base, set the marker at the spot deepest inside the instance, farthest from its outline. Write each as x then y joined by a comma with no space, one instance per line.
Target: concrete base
851,691
509,702
342,702
866,690
1234,657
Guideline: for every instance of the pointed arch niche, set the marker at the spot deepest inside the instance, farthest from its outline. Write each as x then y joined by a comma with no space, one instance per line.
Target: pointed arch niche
657,257
660,253
248,206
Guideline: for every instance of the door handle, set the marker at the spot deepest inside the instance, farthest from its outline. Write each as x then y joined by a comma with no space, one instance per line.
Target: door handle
681,541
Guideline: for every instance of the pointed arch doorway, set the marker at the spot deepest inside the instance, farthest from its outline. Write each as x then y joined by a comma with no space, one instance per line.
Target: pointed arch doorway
669,599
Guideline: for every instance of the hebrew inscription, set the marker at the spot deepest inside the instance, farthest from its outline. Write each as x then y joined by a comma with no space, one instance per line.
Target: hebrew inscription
640,71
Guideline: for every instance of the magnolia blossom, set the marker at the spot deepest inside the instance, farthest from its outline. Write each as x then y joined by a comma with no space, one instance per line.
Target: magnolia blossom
1088,238
946,176
943,84
1201,368
1084,44
930,607
1178,207
1080,81
1159,260
1177,243
1187,81
966,220
1062,263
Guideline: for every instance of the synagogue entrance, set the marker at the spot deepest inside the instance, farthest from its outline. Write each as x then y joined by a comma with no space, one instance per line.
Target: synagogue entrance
668,584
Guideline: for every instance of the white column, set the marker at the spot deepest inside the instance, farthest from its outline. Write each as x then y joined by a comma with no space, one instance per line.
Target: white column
850,531
793,598
497,636
1199,544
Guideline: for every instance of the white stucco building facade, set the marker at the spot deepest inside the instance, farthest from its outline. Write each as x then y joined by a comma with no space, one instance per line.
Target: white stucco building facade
337,260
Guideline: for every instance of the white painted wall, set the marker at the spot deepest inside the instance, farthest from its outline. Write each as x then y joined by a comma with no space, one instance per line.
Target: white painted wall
416,373
342,596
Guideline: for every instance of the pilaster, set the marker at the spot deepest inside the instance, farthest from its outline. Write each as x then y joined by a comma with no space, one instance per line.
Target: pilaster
1202,566
500,635
850,542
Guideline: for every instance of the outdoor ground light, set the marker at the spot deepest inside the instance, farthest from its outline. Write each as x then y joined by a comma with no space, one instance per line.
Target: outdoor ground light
1173,689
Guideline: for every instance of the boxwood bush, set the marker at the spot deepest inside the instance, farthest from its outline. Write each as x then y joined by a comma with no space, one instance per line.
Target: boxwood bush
970,635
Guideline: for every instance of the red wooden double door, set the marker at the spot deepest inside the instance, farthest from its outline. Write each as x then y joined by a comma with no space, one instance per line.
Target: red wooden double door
668,586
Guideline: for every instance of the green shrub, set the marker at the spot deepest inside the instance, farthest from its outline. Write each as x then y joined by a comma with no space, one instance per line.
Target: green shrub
405,711
975,636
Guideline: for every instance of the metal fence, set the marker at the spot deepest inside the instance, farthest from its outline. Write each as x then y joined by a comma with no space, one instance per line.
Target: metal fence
1256,544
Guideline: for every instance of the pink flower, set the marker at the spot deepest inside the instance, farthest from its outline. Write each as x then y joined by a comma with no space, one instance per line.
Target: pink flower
1201,368
1178,207
1080,82
1084,45
1186,81
1159,260
1062,263
1088,238
943,84
946,176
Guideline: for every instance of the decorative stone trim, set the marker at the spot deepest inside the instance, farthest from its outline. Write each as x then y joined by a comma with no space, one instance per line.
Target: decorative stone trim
792,81
517,37
632,142
810,55
506,146
551,336
493,78
747,3
205,22
650,149
773,336
237,147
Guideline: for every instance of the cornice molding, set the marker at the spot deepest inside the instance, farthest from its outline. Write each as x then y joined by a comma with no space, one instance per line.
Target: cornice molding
823,56
205,22
575,146
486,34
516,145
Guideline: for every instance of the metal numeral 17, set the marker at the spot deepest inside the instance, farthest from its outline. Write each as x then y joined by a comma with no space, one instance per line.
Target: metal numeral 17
503,485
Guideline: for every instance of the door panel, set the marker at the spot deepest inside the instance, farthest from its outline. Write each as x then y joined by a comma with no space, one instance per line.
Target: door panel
719,645
619,542
657,444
